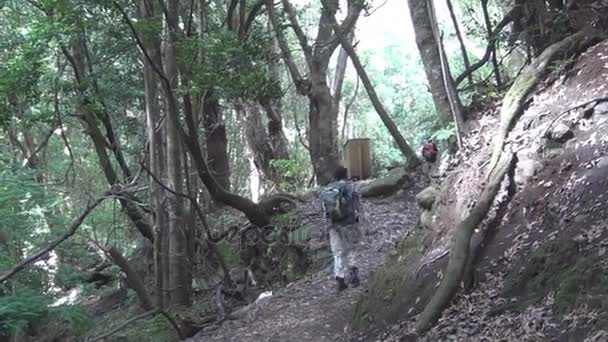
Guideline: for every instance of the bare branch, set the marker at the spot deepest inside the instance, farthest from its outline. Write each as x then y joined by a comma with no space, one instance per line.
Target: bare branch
390,125
44,142
348,24
300,138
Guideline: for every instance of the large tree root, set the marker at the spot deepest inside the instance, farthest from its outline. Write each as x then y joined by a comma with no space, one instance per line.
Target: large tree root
460,250
480,242
515,98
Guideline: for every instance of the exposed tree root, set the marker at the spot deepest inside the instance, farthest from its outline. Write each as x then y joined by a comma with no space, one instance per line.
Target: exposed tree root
459,255
480,241
435,259
515,98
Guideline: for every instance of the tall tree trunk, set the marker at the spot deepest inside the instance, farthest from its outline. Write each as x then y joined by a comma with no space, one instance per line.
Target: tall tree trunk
257,138
323,107
276,135
179,269
157,157
486,17
322,126
405,148
448,82
341,65
216,140
274,109
431,59
463,48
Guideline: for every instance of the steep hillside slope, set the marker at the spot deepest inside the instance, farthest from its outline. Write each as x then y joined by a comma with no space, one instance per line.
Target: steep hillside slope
542,273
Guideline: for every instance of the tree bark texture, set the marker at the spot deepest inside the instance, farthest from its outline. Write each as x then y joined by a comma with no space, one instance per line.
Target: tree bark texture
179,268
431,59
216,141
157,156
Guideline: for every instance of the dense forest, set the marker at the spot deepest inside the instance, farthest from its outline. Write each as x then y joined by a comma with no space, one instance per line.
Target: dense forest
161,161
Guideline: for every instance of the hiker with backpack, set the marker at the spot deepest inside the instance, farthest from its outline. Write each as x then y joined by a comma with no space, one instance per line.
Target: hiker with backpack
341,206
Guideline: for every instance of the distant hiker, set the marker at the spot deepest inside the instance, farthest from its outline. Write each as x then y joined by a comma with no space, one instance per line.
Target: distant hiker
429,151
341,207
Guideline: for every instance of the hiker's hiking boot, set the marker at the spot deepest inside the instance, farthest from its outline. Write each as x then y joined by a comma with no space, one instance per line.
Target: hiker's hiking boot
354,277
341,284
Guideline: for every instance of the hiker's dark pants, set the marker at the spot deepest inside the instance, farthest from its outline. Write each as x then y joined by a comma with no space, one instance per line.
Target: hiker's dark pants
342,239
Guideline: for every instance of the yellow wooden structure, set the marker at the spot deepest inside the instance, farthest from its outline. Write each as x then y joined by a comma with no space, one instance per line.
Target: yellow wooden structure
357,158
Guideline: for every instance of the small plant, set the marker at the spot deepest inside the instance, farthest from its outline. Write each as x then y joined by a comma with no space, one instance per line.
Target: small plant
20,310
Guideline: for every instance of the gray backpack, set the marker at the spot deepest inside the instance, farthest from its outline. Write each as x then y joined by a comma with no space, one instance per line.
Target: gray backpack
338,202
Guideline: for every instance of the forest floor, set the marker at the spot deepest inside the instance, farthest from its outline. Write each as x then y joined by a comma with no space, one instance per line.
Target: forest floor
310,309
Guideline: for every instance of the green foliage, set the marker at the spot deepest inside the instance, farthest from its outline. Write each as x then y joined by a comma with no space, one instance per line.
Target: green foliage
22,309
291,174
444,134
229,252
234,68
74,317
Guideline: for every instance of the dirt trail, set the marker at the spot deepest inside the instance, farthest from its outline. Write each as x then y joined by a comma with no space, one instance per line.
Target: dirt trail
310,309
